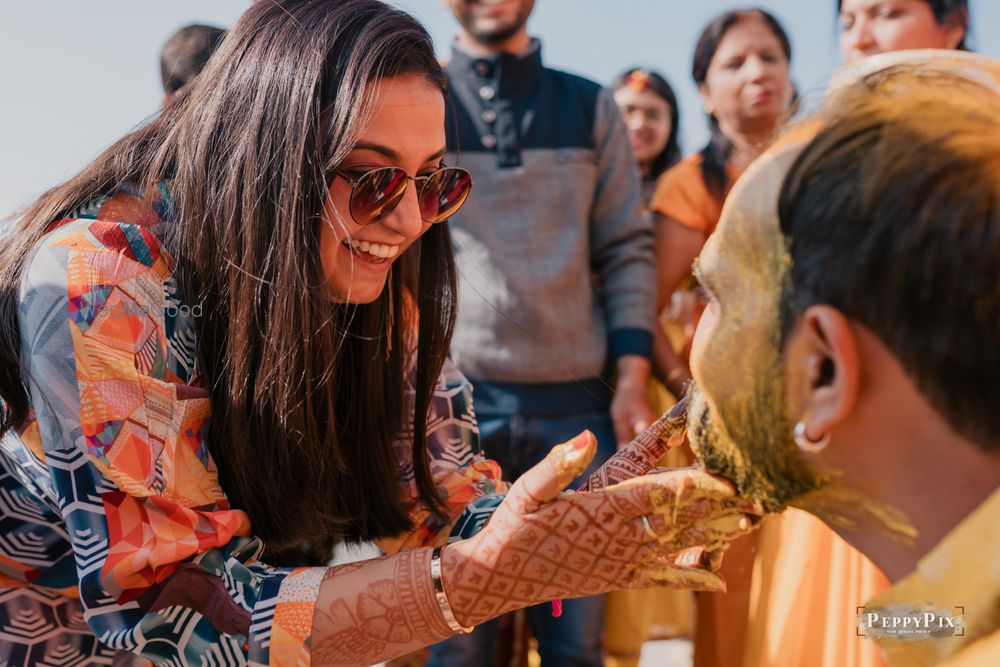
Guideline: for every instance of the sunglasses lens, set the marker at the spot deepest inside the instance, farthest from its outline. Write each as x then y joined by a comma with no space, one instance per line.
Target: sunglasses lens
443,193
376,194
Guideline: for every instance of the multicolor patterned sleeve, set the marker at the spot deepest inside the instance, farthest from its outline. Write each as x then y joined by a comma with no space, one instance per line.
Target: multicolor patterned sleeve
166,569
470,485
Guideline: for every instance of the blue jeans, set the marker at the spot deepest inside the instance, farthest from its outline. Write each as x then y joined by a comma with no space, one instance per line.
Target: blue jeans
517,429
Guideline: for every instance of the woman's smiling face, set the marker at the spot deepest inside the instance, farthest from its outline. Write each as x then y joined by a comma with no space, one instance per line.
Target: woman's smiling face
406,130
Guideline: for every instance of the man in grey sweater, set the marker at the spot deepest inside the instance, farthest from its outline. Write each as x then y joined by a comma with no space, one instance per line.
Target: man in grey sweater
557,286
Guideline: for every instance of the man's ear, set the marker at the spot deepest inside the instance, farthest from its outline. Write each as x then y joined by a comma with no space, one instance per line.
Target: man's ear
827,353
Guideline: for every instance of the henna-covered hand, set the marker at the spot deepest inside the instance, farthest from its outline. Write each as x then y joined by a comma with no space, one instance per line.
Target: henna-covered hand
639,456
543,544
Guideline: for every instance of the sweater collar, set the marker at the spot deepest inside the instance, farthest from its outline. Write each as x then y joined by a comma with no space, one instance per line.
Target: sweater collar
511,72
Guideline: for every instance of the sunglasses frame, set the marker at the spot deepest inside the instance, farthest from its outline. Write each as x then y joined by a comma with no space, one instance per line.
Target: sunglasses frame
419,180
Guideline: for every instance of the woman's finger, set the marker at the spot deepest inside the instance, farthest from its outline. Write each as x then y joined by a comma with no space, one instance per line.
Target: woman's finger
641,454
691,578
545,481
717,530
677,494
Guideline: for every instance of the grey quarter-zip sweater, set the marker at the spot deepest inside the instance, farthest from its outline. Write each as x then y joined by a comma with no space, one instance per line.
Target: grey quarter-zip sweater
557,274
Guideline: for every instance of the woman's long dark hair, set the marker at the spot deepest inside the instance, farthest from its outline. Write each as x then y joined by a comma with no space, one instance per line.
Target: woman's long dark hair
945,11
306,397
719,148
656,83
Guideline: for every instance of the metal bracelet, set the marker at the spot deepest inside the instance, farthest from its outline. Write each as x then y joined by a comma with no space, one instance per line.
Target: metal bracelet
439,594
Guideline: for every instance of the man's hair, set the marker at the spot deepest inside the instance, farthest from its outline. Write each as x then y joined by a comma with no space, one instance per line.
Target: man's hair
185,54
892,216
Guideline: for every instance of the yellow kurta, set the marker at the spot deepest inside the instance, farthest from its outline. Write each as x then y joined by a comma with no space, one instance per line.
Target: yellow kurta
963,570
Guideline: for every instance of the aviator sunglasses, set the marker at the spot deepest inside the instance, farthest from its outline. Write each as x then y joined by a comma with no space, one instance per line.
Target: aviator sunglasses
376,193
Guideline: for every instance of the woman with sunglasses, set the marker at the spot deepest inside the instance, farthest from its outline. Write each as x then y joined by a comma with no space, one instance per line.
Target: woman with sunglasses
223,352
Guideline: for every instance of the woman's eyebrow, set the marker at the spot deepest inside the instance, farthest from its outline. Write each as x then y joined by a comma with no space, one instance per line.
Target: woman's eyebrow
390,153
377,148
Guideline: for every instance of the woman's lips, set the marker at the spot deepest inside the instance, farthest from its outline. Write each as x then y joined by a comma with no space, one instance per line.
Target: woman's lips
636,141
367,259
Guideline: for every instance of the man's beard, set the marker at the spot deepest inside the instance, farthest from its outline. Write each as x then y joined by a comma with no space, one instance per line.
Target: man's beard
495,36
750,442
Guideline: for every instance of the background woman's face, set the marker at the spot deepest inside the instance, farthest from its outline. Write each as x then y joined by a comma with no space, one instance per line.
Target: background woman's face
405,129
878,26
647,118
747,85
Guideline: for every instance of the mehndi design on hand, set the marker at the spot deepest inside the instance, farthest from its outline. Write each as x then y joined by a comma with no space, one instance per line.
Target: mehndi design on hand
640,455
543,544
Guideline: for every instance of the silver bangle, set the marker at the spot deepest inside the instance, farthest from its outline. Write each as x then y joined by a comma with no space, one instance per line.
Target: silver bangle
439,594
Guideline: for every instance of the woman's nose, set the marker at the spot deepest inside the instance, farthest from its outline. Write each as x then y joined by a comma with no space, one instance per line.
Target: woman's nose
859,38
756,68
634,121
405,219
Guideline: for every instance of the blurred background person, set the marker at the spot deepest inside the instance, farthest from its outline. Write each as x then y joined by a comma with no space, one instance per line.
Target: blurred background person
558,197
649,106
652,117
741,66
185,54
879,26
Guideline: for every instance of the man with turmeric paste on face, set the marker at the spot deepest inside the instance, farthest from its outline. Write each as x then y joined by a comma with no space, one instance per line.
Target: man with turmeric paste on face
834,253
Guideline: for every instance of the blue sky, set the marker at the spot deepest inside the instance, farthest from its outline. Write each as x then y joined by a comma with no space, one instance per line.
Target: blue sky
77,75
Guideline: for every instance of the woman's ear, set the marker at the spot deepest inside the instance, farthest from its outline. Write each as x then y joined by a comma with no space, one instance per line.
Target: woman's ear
955,28
826,353
706,99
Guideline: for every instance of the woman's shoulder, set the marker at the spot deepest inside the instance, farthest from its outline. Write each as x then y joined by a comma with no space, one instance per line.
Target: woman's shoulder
686,167
682,195
123,226
683,177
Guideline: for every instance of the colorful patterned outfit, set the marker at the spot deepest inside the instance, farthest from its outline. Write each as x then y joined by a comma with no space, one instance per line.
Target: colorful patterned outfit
113,526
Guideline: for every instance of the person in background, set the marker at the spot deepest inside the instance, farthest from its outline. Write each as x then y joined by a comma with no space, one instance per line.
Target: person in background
185,54
558,200
869,27
652,117
741,66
